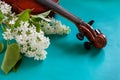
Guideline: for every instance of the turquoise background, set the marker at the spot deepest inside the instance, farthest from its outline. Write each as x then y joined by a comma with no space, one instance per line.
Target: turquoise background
67,59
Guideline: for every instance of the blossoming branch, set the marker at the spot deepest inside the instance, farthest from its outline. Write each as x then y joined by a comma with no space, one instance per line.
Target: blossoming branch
25,35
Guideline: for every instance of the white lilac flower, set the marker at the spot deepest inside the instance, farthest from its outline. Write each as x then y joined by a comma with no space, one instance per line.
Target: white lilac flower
5,8
32,43
12,21
41,56
8,35
54,27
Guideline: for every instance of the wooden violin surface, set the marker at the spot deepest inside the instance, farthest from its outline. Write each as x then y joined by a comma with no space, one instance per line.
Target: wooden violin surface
20,5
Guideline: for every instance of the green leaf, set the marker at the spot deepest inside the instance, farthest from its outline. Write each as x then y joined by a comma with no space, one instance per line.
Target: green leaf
43,18
17,65
12,56
1,46
45,14
24,16
36,19
37,25
40,17
1,16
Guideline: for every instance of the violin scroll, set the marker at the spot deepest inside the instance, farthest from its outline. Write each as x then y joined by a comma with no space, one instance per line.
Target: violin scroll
95,37
100,41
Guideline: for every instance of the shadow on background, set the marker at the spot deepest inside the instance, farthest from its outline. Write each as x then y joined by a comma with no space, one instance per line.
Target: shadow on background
72,47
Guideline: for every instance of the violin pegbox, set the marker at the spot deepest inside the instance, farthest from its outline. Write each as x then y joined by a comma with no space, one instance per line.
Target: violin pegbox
95,37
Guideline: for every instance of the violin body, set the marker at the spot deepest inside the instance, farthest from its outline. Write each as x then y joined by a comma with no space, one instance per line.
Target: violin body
20,5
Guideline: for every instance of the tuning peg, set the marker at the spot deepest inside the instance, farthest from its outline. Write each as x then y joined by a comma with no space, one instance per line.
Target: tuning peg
80,36
91,22
87,45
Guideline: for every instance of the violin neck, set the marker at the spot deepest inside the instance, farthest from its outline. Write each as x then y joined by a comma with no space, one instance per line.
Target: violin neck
58,9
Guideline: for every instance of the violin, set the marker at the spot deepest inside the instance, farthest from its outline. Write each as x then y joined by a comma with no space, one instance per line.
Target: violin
95,37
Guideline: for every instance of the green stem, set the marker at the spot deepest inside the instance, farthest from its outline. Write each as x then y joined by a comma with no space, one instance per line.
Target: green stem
3,29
